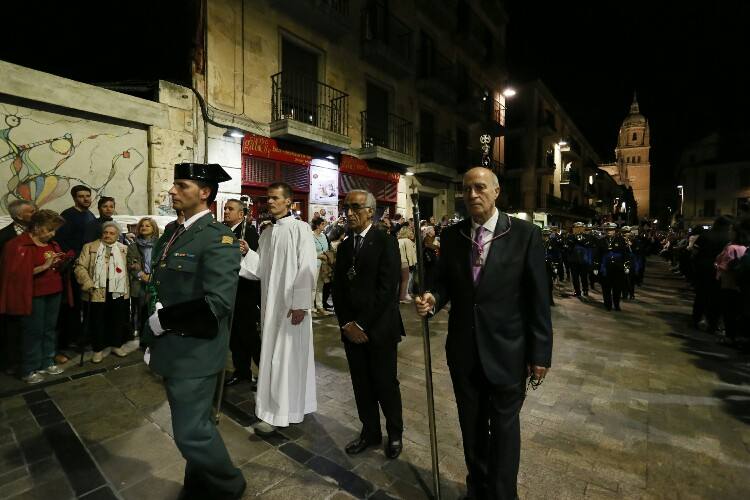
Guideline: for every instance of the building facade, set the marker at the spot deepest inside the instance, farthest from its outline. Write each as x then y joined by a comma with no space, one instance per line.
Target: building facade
632,166
714,179
336,95
551,172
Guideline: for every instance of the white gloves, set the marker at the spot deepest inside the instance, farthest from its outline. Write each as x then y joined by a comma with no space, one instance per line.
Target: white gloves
596,272
153,321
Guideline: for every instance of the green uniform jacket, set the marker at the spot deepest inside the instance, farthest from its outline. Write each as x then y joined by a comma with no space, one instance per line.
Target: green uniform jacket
204,262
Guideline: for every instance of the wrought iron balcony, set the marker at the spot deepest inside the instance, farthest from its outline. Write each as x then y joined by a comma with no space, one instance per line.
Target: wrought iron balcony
394,133
386,41
437,158
436,76
320,110
570,176
329,17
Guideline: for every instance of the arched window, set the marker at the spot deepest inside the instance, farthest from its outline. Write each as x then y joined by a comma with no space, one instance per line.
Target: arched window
639,159
635,136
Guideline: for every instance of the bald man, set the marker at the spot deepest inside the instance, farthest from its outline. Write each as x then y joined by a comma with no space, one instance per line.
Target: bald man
492,271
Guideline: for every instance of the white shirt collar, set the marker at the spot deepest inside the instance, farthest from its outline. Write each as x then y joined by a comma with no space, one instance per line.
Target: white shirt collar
236,225
364,233
189,222
490,224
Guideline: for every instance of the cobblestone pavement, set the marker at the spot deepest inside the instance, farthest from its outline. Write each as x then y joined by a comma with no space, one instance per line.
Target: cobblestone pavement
637,405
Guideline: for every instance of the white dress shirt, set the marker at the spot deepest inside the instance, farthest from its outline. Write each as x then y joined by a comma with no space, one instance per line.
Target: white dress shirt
489,232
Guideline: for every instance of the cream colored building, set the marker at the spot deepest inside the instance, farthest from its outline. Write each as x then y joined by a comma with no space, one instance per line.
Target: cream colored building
370,89
632,166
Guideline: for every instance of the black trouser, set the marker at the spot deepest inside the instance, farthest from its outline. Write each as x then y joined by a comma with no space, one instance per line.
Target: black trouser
491,432
560,269
550,284
580,277
107,322
10,341
327,293
70,326
612,286
373,369
209,472
731,311
706,299
566,266
244,339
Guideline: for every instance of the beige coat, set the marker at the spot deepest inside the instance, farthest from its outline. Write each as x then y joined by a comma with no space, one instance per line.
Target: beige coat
84,271
408,252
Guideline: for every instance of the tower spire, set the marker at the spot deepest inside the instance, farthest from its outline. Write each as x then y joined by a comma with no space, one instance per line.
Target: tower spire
634,108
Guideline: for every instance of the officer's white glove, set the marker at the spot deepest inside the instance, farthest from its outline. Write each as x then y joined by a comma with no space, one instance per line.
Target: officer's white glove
153,321
147,356
627,271
596,272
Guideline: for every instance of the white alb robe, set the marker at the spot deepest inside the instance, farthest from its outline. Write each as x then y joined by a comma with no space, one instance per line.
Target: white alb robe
286,265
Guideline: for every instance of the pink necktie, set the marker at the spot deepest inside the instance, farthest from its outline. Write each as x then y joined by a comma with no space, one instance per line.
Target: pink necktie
476,254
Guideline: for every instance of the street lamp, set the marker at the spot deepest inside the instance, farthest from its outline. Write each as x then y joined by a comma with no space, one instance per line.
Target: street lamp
509,92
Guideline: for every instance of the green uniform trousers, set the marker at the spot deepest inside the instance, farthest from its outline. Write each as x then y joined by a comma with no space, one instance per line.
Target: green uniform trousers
209,472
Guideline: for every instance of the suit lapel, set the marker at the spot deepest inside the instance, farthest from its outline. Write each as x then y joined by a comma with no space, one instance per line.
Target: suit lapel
366,245
464,250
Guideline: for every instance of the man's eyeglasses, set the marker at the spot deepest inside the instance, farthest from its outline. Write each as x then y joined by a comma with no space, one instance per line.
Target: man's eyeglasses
354,207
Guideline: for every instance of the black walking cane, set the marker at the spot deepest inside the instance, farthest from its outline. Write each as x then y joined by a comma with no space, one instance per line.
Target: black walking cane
426,344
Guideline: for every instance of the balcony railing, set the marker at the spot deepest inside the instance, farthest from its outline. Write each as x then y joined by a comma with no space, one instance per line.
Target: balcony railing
297,97
386,40
570,177
394,133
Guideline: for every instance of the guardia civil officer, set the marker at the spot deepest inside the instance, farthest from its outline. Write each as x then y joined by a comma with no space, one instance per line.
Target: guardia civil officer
589,232
611,264
628,291
194,282
580,256
555,252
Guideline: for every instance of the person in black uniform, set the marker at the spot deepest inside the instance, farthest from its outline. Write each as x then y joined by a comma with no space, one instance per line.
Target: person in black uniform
641,247
610,267
555,252
589,231
244,340
562,236
628,291
365,292
579,257
549,263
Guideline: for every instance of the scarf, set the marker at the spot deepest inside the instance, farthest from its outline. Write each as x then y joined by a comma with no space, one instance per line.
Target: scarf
114,271
146,246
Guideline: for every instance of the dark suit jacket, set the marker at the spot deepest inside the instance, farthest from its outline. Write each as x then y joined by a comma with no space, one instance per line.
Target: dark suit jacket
248,291
6,234
371,298
506,317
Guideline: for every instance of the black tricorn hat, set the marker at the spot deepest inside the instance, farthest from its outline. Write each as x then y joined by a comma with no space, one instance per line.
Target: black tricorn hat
212,173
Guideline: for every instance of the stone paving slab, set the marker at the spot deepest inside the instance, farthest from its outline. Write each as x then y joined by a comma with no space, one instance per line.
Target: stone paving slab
637,405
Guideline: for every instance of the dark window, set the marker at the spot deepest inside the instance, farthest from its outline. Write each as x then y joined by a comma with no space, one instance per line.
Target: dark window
462,149
745,177
426,137
628,159
512,193
639,159
709,208
635,136
709,181
299,83
426,55
377,114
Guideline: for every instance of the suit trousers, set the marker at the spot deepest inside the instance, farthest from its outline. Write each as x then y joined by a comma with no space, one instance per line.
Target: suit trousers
374,378
244,339
612,286
491,431
209,472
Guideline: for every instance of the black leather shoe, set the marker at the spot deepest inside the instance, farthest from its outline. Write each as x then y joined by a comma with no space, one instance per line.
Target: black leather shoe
361,444
234,380
393,448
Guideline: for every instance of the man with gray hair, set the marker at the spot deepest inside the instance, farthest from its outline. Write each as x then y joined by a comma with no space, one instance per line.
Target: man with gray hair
365,296
10,328
20,211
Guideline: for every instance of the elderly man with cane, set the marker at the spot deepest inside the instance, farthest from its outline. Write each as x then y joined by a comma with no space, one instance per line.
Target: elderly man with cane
492,272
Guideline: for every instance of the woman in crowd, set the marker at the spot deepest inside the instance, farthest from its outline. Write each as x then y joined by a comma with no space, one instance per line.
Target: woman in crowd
32,286
329,263
102,273
726,273
139,270
318,226
408,260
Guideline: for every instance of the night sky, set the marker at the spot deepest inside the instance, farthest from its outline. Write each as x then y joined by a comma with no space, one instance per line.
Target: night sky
688,61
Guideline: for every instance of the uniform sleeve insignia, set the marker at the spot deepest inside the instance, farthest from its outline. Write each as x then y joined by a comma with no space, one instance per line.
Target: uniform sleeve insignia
227,240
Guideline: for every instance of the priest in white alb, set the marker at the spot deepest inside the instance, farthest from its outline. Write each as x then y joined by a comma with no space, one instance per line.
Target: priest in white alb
286,265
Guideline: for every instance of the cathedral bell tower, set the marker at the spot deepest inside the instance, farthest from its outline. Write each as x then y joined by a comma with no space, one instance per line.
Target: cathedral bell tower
632,157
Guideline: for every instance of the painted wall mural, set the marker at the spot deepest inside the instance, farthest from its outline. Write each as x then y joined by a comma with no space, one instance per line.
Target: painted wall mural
43,155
